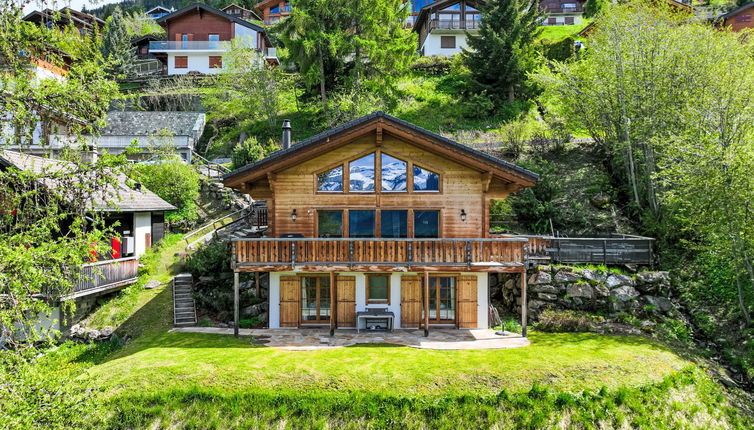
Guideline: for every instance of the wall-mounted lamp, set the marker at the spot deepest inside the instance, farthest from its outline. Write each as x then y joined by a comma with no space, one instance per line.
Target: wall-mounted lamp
294,215
463,215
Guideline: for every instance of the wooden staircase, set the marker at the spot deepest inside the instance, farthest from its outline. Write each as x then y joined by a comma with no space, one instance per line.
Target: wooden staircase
184,308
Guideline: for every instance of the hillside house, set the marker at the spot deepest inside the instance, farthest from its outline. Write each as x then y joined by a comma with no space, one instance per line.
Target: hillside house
179,131
241,12
84,22
158,12
198,36
443,26
738,19
379,218
273,11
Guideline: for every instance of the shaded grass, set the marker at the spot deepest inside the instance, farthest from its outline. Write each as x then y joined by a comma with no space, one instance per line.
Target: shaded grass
554,33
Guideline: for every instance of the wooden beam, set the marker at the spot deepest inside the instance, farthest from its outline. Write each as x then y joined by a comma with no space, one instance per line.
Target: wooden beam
333,322
378,139
426,304
486,179
524,304
377,268
236,306
256,283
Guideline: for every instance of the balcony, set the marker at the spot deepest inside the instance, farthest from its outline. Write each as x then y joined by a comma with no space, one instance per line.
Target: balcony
419,255
450,24
559,10
105,275
192,45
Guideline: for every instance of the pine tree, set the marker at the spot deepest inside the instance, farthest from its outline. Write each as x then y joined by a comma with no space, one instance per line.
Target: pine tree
592,8
503,52
116,45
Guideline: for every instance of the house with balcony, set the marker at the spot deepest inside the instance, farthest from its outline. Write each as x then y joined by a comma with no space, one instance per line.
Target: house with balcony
273,11
563,12
199,36
443,26
378,223
83,22
241,12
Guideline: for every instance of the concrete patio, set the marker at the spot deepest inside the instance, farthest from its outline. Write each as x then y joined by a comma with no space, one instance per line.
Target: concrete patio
314,338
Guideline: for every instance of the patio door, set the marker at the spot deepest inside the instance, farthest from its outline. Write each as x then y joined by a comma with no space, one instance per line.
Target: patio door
315,299
442,299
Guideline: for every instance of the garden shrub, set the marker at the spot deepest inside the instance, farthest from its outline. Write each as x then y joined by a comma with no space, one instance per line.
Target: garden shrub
250,151
535,207
175,182
209,259
566,321
433,65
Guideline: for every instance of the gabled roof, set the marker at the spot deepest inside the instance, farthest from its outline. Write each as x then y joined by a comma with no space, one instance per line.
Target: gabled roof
129,199
736,11
158,8
418,136
203,7
439,5
233,5
150,123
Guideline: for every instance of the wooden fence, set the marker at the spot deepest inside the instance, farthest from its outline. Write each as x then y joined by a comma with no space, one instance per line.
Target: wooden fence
614,249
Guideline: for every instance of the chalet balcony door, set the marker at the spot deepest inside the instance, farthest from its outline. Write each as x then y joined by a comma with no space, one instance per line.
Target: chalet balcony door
315,300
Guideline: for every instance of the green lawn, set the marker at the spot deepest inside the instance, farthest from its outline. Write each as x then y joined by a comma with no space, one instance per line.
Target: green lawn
558,32
566,362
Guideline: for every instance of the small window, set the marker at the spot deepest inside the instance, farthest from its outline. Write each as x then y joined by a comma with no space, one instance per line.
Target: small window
275,9
393,174
330,223
569,20
551,21
447,42
360,223
181,62
426,224
331,180
394,223
215,62
743,18
426,180
378,289
214,37
361,174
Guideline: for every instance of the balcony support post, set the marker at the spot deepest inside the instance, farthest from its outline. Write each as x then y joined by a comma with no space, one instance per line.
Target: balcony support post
524,304
236,306
426,304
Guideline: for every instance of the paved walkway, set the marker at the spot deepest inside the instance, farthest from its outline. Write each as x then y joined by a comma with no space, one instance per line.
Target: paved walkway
312,339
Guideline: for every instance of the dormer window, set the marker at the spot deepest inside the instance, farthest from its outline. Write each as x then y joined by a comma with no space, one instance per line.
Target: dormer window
426,180
361,174
331,180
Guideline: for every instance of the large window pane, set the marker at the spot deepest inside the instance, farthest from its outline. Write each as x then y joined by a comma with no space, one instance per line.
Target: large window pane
377,289
361,223
426,224
393,174
393,223
425,180
332,180
361,174
330,223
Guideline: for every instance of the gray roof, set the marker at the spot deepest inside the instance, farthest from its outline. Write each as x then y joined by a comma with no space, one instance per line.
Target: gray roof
123,198
314,140
737,10
150,123
202,6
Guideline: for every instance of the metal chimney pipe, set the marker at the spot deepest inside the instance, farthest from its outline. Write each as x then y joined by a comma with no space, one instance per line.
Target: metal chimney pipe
285,142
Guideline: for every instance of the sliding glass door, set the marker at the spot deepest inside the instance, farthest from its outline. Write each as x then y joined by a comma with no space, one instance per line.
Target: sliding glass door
442,299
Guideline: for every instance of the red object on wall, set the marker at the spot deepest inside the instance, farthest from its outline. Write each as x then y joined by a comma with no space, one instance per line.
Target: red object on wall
116,247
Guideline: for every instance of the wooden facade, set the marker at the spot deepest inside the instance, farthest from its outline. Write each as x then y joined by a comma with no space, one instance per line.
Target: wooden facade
739,19
426,204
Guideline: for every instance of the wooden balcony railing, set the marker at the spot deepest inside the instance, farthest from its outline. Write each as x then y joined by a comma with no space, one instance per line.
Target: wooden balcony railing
613,249
485,255
105,275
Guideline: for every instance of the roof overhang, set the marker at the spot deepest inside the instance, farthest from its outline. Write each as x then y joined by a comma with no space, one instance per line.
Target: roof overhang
205,8
341,135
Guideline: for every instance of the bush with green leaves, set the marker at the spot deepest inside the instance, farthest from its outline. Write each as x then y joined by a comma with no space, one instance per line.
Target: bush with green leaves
175,182
210,259
250,151
567,321
535,207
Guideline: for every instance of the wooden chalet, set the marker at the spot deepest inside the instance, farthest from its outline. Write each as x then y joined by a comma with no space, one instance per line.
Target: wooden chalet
379,215
738,19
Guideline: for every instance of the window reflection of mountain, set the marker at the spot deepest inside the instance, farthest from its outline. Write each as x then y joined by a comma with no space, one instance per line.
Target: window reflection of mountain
425,180
361,178
394,176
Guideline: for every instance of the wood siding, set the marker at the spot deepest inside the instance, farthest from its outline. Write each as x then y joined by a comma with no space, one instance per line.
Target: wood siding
741,21
461,188
199,24
467,302
290,290
345,292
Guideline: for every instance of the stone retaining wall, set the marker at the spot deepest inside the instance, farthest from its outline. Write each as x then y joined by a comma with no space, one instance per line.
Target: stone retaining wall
566,287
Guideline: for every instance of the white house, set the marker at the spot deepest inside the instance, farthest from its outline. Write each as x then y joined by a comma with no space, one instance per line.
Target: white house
442,26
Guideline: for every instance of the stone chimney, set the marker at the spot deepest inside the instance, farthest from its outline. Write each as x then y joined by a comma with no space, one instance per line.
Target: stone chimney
285,142
89,153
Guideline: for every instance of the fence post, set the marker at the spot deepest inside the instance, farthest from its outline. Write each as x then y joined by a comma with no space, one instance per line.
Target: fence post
604,252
